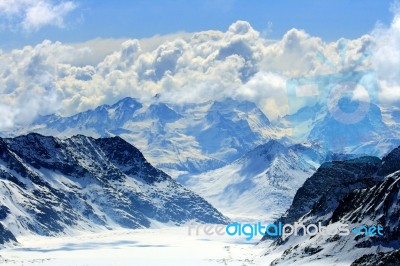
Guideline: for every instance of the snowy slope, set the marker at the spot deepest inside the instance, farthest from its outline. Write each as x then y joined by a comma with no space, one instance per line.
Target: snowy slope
50,186
261,184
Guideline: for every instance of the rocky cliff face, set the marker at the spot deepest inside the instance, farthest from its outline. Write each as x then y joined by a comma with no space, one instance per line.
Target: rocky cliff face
6,236
379,204
322,192
357,192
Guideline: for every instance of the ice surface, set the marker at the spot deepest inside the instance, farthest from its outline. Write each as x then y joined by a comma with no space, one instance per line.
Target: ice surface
143,247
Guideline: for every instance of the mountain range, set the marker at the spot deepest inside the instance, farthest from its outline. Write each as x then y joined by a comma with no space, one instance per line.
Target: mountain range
182,139
193,138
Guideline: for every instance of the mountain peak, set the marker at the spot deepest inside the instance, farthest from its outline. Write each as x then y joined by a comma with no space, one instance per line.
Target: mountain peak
231,104
127,102
272,147
163,112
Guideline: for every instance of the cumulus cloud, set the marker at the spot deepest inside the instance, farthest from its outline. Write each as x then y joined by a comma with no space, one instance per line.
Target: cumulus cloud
386,58
31,15
29,81
209,65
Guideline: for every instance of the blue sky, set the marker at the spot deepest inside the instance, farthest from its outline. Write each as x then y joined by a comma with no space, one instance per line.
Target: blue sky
91,19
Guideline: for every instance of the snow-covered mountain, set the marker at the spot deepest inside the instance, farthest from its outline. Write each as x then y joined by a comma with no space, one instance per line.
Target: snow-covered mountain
357,192
179,139
230,128
51,186
97,122
262,183
350,131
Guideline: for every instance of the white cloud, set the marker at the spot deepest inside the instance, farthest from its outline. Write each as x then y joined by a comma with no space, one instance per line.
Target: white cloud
238,63
29,81
268,91
386,59
100,48
31,15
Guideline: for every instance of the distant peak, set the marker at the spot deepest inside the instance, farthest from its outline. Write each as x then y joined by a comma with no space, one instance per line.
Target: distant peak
126,101
271,147
230,106
272,144
235,103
